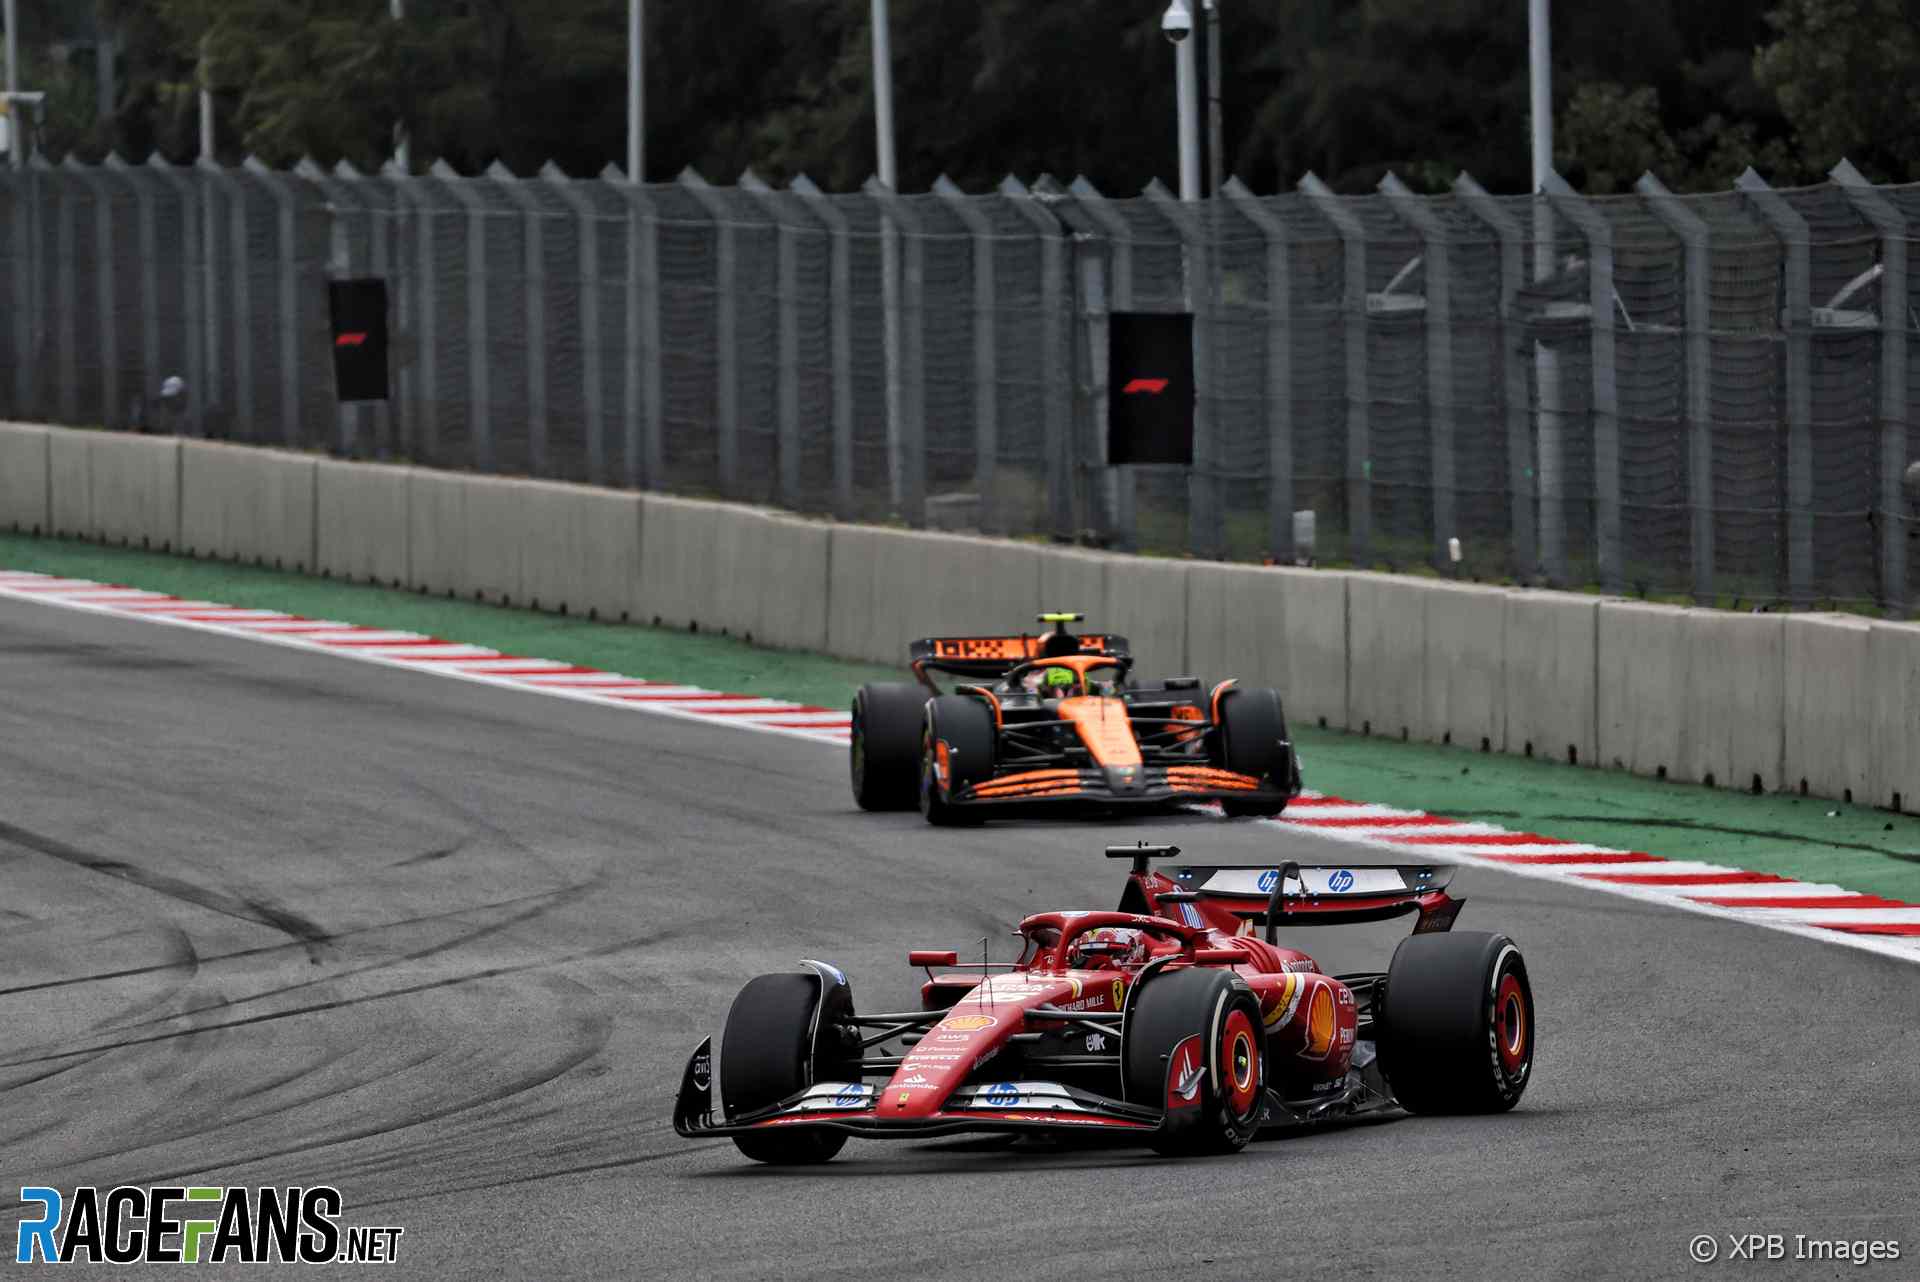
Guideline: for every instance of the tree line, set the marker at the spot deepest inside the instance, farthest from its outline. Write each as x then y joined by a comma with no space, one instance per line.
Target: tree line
1350,89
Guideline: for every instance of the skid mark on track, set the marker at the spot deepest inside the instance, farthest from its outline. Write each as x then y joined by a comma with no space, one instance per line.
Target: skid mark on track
267,949
261,912
473,977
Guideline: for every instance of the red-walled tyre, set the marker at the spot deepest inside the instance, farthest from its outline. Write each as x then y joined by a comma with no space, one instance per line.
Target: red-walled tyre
1456,1025
1205,1023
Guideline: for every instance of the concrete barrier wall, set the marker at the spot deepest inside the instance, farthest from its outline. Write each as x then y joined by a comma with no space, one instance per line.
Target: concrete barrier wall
1466,660
1736,698
239,503
360,522
1549,674
437,533
1387,656
69,489
1641,665
1892,681
133,484
23,478
1660,690
1268,626
1827,705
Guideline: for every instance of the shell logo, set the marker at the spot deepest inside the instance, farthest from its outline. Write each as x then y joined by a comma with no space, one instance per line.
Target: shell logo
968,1023
1320,1023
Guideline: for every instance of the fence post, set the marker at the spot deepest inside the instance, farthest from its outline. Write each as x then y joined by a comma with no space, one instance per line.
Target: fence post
1598,232
190,289
340,202
288,280
840,307
645,463
534,292
63,304
726,330
1874,206
1439,294
1205,533
111,410
1353,243
426,412
25,315
1279,390
1513,276
592,368
904,276
203,174
384,231
1121,484
1054,359
787,294
1796,319
149,277
240,423
1691,230
479,376
986,352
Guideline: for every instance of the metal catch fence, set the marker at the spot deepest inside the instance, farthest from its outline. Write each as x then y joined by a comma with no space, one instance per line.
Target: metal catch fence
1696,396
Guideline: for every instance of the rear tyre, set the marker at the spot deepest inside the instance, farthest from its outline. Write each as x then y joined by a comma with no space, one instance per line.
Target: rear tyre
964,727
1222,1114
770,1051
883,755
1455,1029
1253,741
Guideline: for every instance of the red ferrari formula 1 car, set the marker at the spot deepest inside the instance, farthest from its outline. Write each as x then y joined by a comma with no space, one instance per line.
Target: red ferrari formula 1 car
1166,1020
1057,719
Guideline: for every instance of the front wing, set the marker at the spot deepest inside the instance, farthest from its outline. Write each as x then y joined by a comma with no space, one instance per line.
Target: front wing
855,1107
1120,786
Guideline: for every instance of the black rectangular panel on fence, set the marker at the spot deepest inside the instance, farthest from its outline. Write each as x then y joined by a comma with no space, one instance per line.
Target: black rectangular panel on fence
359,310
1150,405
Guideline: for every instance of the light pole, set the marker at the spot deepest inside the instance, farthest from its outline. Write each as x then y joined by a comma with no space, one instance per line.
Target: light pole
1546,361
1216,147
13,80
883,96
398,10
636,91
1176,25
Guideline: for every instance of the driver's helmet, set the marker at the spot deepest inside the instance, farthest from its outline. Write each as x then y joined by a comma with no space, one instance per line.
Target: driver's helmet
1108,948
1057,682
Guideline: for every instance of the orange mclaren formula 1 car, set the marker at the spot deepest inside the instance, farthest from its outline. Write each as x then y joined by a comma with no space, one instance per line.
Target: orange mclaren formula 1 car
1057,719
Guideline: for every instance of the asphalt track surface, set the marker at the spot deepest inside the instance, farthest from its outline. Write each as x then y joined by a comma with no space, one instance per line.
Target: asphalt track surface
269,917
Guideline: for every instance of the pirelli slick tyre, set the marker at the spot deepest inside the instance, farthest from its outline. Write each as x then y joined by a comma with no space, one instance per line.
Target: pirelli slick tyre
1455,1027
883,755
956,748
1202,1026
1253,741
772,1048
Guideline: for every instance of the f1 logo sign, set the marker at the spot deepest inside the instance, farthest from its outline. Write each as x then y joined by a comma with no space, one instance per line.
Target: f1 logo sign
1150,415
350,340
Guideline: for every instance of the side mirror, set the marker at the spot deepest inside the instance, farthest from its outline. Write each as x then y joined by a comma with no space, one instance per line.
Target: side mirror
1218,956
929,957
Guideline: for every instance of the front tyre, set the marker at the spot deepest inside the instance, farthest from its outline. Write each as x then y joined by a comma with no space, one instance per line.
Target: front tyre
883,754
1203,1026
956,749
1253,741
770,1050
1456,1026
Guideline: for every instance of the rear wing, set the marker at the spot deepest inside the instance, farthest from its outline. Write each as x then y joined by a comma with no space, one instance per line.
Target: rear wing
990,657
1295,894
